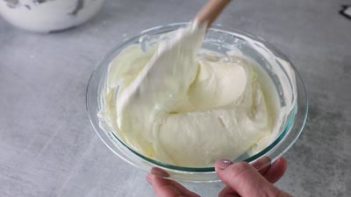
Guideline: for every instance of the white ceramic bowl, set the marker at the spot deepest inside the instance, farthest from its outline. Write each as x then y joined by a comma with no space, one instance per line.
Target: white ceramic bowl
48,15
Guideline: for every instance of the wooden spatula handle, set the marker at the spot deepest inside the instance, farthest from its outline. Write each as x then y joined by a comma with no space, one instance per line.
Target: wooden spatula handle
211,11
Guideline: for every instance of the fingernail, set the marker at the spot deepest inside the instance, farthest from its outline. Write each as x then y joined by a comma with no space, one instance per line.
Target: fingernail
223,164
280,159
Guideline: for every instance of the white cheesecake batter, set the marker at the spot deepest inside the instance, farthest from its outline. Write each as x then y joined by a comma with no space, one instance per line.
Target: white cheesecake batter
184,106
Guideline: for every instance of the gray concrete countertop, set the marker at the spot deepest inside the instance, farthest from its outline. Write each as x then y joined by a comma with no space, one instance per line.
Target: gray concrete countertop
48,148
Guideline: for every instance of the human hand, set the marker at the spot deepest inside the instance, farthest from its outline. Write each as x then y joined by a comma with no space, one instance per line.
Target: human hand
241,179
244,180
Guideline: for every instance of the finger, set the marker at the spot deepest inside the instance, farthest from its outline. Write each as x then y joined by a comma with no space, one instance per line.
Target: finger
244,179
262,165
228,192
159,172
277,170
279,167
164,187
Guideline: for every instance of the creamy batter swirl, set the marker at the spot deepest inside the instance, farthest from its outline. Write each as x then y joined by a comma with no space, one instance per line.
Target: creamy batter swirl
186,106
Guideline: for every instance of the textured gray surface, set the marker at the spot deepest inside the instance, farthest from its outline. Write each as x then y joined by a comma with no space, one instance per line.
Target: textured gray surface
48,148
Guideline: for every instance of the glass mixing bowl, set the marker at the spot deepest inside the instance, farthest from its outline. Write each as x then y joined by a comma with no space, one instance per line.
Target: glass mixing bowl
286,80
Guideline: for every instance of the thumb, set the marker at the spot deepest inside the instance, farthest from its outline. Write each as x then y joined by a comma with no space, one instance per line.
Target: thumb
245,179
